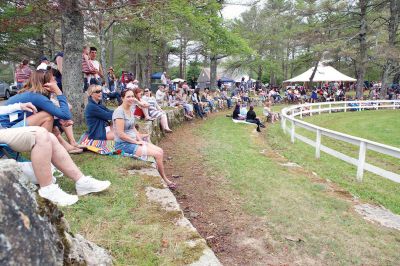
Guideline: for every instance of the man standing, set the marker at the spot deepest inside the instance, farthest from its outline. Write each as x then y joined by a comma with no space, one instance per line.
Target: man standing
98,76
22,73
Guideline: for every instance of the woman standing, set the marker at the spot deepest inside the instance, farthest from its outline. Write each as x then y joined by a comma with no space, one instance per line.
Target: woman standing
129,140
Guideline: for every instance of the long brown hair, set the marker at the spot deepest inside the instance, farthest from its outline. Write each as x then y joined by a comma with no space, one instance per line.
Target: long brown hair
36,81
136,92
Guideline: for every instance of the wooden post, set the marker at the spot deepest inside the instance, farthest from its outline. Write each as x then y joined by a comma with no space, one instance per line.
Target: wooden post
301,112
310,110
292,132
361,161
319,108
318,144
283,124
345,107
330,108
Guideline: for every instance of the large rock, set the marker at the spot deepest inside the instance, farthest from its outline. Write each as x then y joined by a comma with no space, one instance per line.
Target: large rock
33,230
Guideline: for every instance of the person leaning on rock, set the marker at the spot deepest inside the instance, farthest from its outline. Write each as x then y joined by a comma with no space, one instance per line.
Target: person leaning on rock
45,150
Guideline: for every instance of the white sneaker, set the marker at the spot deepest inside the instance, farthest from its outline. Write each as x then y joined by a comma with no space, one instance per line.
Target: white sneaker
88,184
56,195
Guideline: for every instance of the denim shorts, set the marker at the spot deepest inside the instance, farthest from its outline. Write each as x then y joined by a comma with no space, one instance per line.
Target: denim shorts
126,147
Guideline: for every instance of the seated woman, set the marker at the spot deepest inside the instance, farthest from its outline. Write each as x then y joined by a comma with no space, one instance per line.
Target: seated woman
97,116
129,140
251,117
181,98
236,112
268,112
37,90
142,107
155,110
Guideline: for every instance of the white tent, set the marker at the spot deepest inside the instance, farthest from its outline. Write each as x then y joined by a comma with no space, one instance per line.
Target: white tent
323,73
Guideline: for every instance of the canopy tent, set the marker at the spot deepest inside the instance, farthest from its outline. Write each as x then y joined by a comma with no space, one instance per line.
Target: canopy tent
323,73
156,75
227,80
177,80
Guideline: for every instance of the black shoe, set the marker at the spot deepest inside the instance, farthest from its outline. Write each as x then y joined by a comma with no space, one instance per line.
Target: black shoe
258,129
263,126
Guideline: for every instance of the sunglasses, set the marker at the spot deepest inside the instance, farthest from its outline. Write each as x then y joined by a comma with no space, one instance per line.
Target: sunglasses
146,90
97,91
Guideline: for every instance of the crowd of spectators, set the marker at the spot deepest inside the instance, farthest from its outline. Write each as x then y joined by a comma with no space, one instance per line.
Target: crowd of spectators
35,119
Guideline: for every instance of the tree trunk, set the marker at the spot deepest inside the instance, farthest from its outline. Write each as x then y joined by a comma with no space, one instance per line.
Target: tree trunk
213,72
102,43
72,33
362,37
184,57
111,46
149,64
259,72
392,30
180,57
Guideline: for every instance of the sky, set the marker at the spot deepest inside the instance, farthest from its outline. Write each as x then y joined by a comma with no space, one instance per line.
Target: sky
234,10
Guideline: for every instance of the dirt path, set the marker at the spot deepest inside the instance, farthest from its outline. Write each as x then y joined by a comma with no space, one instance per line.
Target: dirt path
214,209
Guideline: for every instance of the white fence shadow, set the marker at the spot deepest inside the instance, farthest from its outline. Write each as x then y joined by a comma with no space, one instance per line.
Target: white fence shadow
290,114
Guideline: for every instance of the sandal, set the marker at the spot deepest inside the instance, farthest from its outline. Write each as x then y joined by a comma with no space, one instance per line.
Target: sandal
75,151
172,186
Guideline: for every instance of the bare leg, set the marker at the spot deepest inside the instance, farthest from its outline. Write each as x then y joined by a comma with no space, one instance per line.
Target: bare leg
164,122
63,142
146,113
70,135
41,119
158,154
110,135
61,159
41,157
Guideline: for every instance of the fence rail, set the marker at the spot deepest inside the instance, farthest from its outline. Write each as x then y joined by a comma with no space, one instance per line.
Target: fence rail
289,114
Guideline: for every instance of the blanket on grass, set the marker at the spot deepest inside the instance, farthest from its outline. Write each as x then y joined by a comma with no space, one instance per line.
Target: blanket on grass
242,122
107,147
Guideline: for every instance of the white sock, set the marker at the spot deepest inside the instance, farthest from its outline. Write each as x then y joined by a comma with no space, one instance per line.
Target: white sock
82,179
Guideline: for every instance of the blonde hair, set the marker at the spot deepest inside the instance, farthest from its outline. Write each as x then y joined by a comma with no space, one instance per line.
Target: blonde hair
92,88
36,81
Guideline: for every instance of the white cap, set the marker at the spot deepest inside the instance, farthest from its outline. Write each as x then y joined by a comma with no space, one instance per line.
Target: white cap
42,66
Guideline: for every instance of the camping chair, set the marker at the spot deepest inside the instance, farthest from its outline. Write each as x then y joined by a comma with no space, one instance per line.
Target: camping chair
6,151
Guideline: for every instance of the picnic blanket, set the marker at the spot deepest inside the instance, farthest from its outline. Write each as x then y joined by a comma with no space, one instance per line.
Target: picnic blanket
242,122
104,147
107,147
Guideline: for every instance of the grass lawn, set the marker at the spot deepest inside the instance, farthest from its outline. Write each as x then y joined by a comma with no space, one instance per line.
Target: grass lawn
121,219
379,126
294,203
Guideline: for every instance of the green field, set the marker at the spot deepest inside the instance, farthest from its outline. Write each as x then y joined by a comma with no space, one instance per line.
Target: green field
381,126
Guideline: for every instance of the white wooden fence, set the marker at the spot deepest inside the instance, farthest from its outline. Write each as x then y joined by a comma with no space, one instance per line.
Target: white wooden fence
290,114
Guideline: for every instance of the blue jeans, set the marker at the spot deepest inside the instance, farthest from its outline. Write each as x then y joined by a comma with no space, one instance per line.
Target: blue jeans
197,109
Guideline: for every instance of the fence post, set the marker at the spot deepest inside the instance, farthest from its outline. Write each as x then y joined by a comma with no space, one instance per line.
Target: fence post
330,108
310,110
394,105
283,124
301,112
318,144
361,161
345,107
292,132
319,107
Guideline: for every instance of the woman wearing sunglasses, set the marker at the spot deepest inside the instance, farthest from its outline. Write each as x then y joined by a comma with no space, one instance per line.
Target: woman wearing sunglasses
97,116
129,140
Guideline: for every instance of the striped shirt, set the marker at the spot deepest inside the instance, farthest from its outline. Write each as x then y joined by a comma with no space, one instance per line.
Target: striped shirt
87,66
23,73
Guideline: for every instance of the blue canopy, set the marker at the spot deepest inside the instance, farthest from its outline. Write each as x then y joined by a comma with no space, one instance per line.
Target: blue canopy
156,75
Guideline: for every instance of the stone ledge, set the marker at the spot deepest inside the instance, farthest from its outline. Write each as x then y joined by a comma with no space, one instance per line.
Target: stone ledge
166,199
153,128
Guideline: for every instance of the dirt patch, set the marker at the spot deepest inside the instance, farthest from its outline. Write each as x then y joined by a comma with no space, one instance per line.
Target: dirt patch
213,208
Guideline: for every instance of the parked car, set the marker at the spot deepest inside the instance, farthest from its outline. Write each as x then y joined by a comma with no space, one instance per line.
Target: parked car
6,91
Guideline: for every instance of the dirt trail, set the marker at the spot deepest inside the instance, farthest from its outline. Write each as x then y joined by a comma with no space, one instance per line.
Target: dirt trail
214,209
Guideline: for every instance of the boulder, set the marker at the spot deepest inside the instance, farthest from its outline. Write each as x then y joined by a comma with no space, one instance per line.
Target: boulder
33,230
